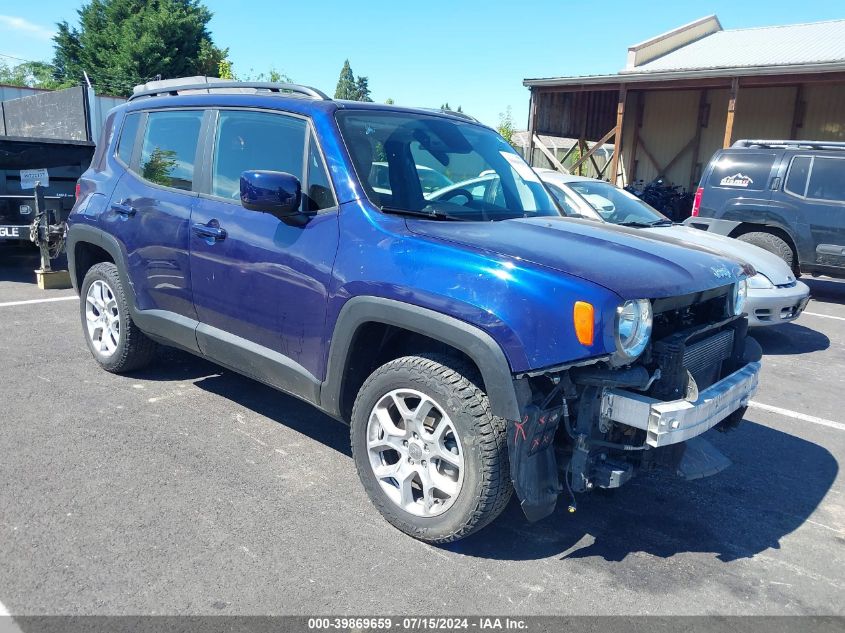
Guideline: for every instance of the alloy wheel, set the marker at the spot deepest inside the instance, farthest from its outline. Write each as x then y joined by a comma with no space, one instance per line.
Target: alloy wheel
415,453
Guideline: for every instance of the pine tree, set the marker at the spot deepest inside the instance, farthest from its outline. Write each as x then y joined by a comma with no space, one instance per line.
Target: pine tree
346,87
362,89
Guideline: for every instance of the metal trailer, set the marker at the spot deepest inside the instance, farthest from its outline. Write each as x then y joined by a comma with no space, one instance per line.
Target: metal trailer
53,133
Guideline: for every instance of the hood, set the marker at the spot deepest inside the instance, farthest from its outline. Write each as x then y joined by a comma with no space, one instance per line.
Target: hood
762,260
626,261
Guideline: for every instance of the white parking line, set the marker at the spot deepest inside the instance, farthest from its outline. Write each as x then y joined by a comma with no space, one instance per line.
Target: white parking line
9,304
798,416
824,316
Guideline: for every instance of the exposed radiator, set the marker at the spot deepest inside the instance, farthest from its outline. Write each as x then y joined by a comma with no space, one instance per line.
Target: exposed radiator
704,358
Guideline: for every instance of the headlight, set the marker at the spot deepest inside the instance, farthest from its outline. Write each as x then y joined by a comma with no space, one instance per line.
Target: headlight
633,328
760,282
740,292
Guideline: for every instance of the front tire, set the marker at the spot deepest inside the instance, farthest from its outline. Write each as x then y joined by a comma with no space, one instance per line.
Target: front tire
430,454
113,338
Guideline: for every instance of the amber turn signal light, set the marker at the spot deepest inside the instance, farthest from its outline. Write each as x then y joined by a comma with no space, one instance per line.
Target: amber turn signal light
582,315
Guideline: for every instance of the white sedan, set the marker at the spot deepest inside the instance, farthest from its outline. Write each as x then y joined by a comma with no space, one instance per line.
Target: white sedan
774,294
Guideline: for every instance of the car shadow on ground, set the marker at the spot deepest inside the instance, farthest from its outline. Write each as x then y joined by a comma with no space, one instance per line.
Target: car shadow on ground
790,338
175,365
826,289
773,486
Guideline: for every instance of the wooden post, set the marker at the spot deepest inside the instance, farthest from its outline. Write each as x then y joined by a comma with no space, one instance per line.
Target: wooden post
639,112
699,124
532,126
797,112
589,155
617,137
729,124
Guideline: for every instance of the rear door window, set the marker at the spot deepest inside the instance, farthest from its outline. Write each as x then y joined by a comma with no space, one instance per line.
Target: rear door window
169,148
745,172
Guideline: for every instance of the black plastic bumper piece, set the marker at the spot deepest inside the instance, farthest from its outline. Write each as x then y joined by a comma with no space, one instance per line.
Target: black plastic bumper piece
533,465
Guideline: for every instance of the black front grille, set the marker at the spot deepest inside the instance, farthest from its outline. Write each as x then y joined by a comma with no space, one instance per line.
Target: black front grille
677,314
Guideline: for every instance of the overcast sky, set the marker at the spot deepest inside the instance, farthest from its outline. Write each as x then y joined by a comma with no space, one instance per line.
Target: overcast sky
472,54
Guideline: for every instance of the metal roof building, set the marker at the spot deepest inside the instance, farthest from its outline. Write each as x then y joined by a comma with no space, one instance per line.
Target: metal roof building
684,94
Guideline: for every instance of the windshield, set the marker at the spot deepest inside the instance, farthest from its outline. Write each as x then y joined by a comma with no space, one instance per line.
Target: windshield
437,167
616,205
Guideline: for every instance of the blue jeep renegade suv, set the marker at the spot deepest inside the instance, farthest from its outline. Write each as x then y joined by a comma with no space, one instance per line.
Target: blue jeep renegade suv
476,341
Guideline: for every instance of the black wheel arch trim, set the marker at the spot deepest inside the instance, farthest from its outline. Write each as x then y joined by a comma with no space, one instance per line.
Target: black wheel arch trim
477,344
164,327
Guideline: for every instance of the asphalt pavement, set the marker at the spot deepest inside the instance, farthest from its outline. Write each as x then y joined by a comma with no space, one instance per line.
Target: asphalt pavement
188,489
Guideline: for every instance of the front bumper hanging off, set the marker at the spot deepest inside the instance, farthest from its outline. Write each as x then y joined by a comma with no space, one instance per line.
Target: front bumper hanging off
679,420
533,464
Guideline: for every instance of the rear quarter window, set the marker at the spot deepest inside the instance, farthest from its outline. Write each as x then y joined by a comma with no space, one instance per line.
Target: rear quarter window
128,133
827,179
744,172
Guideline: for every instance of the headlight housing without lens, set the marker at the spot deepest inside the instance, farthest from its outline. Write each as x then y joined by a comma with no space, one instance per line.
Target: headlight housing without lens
760,282
740,293
633,328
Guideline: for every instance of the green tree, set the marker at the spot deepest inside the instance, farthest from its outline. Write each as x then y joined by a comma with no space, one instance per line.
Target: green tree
225,69
362,89
505,127
346,87
389,101
160,165
31,75
121,43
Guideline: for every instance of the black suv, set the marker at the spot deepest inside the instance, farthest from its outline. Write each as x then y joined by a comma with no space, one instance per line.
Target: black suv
785,196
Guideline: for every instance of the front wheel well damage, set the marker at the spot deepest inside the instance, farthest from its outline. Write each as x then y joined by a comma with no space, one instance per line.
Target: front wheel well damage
375,344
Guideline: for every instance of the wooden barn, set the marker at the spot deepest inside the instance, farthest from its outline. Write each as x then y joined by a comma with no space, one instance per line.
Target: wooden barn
686,93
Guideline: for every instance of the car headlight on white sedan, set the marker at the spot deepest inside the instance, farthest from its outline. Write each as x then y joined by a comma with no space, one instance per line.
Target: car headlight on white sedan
760,282
740,294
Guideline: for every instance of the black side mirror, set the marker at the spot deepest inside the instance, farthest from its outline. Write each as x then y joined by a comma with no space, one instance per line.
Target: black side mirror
275,192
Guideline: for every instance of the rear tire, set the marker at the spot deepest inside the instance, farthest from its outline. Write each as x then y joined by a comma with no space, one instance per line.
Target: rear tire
478,486
113,338
772,243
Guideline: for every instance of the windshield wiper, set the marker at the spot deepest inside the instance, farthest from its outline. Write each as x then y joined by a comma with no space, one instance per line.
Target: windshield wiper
637,224
429,215
662,222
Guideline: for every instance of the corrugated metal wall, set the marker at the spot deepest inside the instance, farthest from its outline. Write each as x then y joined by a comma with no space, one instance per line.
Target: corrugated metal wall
668,124
669,119
824,117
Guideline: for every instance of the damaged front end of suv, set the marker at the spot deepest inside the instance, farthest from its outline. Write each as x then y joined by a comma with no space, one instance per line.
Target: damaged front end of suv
681,366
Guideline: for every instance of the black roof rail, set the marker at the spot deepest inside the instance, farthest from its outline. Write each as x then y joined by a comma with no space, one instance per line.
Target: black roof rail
829,145
460,115
269,86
